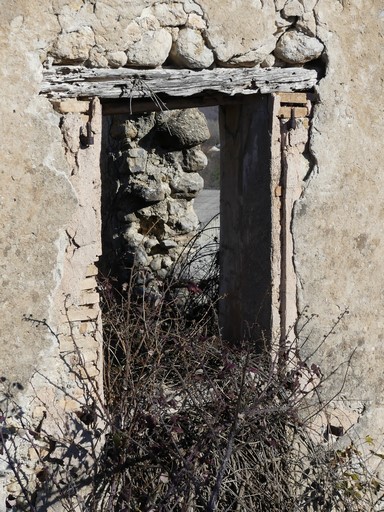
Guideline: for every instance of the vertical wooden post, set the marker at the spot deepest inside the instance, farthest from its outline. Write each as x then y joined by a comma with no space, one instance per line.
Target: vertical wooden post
246,220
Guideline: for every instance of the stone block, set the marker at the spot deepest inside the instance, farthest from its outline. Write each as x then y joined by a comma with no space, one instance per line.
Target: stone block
82,314
240,36
92,270
73,47
297,48
293,8
297,98
88,284
186,185
190,51
71,105
153,45
179,129
194,160
170,14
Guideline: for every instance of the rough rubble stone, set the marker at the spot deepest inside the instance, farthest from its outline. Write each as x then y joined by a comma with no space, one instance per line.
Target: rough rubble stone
293,8
297,48
170,14
309,5
97,58
72,20
116,59
233,32
254,57
196,22
114,28
122,128
189,50
182,217
279,4
180,129
186,185
153,46
73,47
150,188
307,24
282,24
269,61
191,6
194,160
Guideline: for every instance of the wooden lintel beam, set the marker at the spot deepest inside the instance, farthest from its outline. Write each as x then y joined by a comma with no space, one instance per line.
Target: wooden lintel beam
61,82
115,107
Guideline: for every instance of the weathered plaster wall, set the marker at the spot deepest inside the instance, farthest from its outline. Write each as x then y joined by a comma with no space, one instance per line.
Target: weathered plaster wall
338,222
36,197
337,230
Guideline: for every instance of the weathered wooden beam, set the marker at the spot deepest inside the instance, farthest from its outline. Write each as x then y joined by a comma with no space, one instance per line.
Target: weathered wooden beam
78,82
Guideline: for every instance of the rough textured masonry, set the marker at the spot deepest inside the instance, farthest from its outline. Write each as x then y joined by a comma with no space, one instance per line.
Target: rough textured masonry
50,189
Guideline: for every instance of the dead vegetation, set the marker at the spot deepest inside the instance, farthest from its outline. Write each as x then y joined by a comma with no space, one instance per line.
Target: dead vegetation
191,423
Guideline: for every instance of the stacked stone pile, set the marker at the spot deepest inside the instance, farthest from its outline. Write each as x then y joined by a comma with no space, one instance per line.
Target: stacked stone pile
156,160
157,33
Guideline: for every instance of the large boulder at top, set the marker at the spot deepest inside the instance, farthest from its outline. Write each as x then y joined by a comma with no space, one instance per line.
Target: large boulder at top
152,46
179,129
240,33
189,50
297,48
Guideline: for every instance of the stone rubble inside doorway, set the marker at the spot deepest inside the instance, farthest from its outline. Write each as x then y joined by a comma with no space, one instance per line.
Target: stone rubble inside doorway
151,177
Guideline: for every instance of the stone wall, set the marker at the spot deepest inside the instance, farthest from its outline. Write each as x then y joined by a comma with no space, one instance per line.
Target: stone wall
189,34
337,235
150,180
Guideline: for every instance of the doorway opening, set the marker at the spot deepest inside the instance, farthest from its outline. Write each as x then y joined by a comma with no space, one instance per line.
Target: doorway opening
151,171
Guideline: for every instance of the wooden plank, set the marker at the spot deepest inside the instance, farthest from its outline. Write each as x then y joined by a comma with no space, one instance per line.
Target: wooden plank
61,82
246,222
112,107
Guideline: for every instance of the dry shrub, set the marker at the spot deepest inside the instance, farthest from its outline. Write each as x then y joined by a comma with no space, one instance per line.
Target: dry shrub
199,424
192,423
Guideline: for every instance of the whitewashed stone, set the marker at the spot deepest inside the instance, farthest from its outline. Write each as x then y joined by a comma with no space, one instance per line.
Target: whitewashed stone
168,14
269,61
190,51
279,4
72,20
153,46
293,8
191,6
114,28
282,24
234,31
97,58
307,24
74,46
116,59
196,22
309,5
174,31
254,57
297,48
